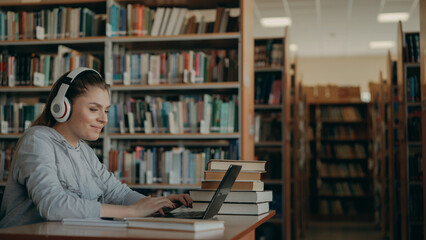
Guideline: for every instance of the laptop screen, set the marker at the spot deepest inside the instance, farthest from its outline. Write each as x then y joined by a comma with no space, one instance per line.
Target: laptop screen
222,191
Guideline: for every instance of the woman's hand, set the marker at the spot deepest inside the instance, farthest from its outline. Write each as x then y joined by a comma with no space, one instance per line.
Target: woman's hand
149,205
184,199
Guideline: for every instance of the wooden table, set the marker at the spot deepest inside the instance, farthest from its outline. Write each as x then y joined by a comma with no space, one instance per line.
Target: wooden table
236,227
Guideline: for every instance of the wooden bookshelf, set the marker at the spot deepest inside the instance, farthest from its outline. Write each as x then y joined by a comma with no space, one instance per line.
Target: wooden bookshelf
410,142
339,175
273,104
423,95
241,85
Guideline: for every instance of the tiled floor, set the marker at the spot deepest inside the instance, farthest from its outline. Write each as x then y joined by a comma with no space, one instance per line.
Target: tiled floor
342,231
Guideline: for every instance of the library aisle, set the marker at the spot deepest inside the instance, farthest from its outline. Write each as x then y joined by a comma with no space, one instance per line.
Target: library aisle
342,231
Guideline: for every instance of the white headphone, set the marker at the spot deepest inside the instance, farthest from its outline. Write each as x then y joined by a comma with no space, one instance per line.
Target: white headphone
61,106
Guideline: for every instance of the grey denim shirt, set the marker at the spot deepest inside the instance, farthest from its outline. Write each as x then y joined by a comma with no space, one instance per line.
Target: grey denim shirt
50,180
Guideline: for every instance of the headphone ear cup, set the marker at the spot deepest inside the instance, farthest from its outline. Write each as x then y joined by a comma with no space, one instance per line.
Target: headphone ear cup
61,109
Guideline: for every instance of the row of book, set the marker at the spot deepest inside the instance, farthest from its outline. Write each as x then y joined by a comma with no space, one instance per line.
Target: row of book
343,151
5,162
347,113
173,67
140,20
414,124
415,165
182,114
413,87
267,127
270,54
337,207
268,88
412,48
341,189
42,69
341,132
56,23
16,117
415,203
164,165
341,170
247,196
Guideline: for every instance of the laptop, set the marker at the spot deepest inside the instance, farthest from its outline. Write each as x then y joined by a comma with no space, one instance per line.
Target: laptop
217,199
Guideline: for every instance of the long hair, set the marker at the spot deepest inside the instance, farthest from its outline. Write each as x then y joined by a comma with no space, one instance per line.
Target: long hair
78,87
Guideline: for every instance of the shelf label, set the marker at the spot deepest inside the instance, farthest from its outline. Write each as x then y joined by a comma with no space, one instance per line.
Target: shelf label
27,124
108,78
108,29
38,79
11,80
40,33
126,78
4,127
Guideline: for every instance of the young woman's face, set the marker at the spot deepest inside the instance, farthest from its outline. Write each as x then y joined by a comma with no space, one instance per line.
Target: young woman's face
89,114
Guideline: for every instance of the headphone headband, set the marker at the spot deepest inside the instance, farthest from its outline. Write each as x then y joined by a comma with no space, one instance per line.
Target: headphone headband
61,107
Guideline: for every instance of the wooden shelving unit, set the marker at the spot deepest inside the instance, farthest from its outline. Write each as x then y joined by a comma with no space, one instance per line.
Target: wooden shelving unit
410,139
269,115
242,86
339,174
422,7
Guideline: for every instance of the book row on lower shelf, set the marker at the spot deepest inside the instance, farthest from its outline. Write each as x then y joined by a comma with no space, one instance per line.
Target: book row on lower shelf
173,67
344,113
166,165
36,69
16,117
343,189
330,132
414,124
342,170
268,88
415,163
179,114
267,127
343,151
415,203
341,207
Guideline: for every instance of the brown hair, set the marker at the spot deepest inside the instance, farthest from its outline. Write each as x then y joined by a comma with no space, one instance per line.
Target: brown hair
78,87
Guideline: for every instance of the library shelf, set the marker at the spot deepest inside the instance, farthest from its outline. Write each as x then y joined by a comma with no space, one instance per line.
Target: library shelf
272,105
162,136
268,144
407,69
180,86
277,107
19,89
241,85
10,135
186,41
268,69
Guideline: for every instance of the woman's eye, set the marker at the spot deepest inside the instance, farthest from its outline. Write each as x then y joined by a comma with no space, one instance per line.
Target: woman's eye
107,111
93,109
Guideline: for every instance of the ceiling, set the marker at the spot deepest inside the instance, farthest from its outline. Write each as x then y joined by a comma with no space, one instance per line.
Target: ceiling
325,28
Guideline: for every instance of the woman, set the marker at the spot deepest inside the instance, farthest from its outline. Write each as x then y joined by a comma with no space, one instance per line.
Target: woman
56,175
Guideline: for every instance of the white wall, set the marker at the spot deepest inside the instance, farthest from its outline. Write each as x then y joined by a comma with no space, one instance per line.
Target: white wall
342,71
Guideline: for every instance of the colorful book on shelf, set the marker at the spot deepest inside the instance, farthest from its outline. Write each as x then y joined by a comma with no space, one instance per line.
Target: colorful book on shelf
233,197
175,224
238,185
236,208
216,164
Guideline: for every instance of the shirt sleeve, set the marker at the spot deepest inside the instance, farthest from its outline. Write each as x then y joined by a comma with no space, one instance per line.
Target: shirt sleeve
37,170
116,192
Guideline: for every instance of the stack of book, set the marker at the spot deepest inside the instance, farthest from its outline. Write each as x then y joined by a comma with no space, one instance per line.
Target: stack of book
247,196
